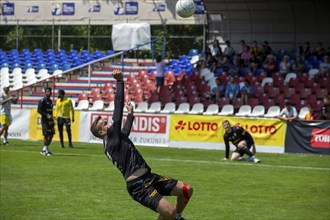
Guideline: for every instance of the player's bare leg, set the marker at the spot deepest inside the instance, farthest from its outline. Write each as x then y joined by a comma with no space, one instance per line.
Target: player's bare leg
166,210
236,156
183,192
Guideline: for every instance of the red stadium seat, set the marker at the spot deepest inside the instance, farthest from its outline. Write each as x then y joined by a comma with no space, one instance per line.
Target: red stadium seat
223,101
273,92
304,92
237,103
253,102
82,96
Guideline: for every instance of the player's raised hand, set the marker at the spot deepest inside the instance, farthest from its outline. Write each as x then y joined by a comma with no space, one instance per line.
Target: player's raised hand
117,75
129,107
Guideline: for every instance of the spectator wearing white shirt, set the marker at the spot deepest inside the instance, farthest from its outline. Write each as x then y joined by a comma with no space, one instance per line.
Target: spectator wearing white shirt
288,113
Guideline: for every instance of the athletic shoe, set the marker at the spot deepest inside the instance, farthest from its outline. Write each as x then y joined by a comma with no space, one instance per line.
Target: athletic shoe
49,154
70,145
5,143
256,160
179,218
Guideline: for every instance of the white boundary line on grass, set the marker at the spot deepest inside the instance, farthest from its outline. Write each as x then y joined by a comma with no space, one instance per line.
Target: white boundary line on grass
191,161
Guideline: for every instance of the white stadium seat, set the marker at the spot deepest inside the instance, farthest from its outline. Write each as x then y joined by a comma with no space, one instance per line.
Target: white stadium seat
273,112
244,110
227,110
197,109
154,107
258,111
212,109
183,108
168,108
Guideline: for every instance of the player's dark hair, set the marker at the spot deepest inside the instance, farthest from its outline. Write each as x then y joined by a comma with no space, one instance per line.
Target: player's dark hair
94,128
48,89
158,58
61,91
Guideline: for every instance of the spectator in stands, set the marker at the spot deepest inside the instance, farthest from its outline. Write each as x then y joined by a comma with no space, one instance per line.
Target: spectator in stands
5,112
247,91
319,50
64,112
241,47
325,67
220,61
243,141
308,50
288,113
264,51
45,109
311,114
325,111
254,48
218,91
232,89
144,186
246,55
285,65
215,48
298,66
229,50
270,65
160,72
254,62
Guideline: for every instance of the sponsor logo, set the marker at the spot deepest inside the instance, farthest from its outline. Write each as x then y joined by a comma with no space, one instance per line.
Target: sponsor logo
63,9
33,9
142,123
159,8
259,129
15,135
127,8
154,192
95,8
196,126
8,9
320,138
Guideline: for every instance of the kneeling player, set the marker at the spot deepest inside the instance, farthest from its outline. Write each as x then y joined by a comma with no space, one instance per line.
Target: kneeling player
242,140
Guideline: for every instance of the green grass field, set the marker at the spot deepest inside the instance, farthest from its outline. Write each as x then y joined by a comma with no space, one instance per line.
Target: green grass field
81,183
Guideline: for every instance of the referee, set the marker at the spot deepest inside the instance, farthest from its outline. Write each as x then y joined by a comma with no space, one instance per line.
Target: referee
64,112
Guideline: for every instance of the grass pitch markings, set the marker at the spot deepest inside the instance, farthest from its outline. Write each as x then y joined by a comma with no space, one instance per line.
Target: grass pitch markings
186,161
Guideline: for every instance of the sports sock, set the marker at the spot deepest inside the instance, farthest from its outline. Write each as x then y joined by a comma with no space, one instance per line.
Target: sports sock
178,215
45,148
247,151
4,140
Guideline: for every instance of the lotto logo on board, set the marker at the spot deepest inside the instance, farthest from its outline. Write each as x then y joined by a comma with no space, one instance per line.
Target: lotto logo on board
320,138
196,126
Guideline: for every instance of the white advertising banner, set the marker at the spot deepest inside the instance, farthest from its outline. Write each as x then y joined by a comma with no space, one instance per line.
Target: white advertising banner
19,128
127,36
96,12
147,129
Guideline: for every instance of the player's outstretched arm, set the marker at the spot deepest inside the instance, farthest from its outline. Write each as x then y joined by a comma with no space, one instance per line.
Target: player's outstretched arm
129,121
119,101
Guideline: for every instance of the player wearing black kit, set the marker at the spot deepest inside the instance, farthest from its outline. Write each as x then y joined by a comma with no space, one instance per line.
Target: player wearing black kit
243,141
45,109
145,187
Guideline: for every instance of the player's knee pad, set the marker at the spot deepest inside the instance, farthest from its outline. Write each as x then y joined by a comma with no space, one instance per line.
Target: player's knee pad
185,190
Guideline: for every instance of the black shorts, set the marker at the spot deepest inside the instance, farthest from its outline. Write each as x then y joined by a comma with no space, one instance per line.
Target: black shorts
241,152
64,121
150,188
48,128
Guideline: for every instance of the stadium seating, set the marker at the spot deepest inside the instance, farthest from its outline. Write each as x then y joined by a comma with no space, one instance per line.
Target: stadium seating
227,110
244,110
303,111
110,107
273,111
168,108
212,109
98,105
183,108
155,107
197,109
257,111
82,105
142,107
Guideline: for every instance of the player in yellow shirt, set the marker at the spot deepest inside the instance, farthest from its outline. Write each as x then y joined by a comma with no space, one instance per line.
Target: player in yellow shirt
64,112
